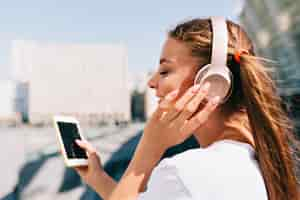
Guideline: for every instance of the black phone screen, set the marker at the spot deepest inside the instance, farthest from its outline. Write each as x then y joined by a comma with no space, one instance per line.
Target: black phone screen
69,133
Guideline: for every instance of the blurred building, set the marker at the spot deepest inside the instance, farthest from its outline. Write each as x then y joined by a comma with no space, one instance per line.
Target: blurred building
151,100
143,100
8,107
274,26
89,81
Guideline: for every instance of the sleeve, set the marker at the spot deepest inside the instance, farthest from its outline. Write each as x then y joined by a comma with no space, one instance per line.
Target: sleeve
165,183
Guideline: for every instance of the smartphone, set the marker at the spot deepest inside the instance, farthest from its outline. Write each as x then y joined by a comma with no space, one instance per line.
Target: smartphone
68,130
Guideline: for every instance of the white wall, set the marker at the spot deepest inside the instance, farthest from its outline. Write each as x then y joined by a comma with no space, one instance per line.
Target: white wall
7,100
78,79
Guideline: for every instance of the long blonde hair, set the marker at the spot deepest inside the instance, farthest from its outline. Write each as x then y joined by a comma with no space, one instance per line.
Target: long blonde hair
254,95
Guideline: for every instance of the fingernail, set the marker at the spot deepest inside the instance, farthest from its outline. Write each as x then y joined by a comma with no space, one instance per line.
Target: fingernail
215,100
206,86
172,94
77,141
196,88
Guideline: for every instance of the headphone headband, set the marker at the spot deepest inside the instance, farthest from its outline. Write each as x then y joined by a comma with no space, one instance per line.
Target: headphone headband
217,72
219,41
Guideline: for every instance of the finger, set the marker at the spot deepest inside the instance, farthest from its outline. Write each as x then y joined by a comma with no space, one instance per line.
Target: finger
165,104
80,170
200,117
86,146
61,151
93,158
179,105
169,98
192,106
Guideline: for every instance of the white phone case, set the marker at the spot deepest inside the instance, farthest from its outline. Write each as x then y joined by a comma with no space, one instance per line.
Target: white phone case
74,161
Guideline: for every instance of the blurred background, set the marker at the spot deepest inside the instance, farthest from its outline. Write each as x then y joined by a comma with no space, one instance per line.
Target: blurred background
92,60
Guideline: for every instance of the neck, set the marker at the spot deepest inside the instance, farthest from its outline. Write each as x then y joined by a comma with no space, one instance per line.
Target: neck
217,128
210,131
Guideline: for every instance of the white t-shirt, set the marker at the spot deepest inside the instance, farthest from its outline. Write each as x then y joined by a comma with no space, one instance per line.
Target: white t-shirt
225,170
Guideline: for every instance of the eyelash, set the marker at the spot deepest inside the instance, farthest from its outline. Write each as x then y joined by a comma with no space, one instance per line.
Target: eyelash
163,72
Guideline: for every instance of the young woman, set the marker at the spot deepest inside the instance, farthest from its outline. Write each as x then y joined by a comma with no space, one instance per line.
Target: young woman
246,143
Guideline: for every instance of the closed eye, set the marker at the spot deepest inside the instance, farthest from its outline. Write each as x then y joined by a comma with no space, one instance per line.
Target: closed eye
163,73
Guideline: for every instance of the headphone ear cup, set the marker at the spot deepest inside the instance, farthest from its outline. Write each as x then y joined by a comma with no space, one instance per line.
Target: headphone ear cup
220,79
200,74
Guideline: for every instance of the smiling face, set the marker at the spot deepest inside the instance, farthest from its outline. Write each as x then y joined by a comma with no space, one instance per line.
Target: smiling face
177,69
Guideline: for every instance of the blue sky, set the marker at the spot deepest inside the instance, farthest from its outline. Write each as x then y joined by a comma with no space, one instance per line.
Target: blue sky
140,25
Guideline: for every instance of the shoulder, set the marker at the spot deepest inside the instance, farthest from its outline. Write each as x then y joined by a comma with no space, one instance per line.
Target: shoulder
189,168
202,158
216,161
226,152
223,169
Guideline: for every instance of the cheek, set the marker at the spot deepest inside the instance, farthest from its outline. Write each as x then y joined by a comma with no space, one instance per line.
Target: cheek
168,84
185,84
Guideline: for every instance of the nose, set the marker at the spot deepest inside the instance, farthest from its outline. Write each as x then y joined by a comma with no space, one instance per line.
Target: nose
152,82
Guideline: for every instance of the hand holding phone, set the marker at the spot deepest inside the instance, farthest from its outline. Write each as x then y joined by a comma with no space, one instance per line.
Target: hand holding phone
68,130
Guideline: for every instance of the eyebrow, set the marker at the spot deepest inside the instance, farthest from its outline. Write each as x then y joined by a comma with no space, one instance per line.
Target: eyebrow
165,60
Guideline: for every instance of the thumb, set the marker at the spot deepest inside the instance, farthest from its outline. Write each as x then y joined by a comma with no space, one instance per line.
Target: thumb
93,158
86,146
165,104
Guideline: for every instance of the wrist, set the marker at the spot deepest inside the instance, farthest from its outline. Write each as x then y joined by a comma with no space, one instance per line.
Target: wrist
152,152
94,180
134,180
147,155
155,148
103,184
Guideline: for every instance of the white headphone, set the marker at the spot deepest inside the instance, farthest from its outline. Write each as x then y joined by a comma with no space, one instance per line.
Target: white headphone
217,72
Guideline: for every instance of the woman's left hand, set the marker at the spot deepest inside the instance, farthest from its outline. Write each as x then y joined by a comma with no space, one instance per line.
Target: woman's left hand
175,119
